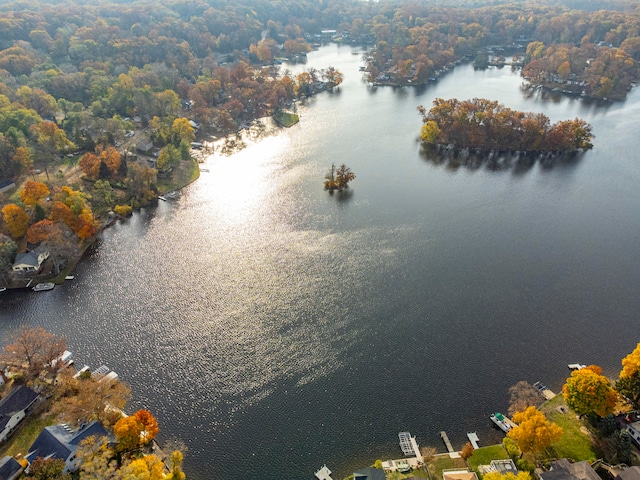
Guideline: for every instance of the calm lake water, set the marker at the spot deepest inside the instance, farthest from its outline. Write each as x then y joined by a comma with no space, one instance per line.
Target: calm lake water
274,328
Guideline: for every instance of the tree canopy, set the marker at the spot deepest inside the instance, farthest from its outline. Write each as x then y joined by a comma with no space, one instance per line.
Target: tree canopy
588,392
32,349
534,432
487,124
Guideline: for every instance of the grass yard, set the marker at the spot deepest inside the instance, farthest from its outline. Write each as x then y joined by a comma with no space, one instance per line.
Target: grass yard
443,462
26,434
576,442
484,455
286,119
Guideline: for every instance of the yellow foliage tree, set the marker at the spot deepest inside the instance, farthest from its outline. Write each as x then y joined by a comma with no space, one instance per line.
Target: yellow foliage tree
631,363
15,219
587,392
534,432
148,467
33,192
127,431
507,476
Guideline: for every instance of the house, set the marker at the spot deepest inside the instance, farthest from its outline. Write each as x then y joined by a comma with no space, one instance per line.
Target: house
564,470
10,469
144,145
458,474
14,407
30,261
62,441
369,473
6,185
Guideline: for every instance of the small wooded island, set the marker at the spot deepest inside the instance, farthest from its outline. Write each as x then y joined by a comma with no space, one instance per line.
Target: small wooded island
488,125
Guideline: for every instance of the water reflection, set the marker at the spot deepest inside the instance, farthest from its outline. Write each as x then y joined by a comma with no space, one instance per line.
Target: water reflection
519,163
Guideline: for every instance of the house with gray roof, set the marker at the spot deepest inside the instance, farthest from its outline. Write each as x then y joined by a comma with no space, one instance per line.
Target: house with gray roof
564,470
62,441
30,261
369,473
10,469
631,473
14,407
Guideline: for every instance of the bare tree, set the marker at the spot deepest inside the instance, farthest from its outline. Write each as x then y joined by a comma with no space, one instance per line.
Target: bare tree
523,395
33,349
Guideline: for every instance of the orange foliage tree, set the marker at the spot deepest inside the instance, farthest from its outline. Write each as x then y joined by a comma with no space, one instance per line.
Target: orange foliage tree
111,159
90,165
40,231
150,425
15,219
33,192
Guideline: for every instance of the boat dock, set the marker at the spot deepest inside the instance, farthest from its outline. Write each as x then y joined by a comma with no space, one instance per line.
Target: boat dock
445,439
544,391
473,438
409,445
324,473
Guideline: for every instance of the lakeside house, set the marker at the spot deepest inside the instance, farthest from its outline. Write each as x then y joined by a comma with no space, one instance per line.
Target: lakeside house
62,441
564,470
459,474
503,466
30,262
14,407
369,473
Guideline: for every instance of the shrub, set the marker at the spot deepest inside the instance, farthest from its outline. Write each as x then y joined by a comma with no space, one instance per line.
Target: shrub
123,210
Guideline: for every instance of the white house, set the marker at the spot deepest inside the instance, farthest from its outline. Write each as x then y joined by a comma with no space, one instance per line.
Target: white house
13,408
30,261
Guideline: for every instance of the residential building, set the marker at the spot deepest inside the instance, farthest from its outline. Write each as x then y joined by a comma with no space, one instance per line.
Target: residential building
14,407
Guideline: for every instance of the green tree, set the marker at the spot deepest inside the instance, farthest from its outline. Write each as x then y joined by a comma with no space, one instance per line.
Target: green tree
589,393
534,432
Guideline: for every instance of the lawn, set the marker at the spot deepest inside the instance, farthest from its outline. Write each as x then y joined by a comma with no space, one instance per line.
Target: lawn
443,462
286,119
484,455
26,434
576,443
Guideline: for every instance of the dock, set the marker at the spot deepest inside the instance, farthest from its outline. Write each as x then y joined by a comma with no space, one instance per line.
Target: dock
324,473
544,391
445,439
473,438
409,445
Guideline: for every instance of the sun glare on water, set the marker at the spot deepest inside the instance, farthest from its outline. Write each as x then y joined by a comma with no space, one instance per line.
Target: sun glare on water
239,185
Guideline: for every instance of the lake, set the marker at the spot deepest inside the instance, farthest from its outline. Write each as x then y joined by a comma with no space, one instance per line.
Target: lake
274,328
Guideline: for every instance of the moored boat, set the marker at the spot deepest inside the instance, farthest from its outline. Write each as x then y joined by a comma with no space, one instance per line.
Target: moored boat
41,287
500,422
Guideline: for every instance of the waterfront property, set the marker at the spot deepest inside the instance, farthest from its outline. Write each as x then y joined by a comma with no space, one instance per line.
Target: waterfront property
30,261
564,470
502,466
14,407
369,473
459,474
10,469
62,441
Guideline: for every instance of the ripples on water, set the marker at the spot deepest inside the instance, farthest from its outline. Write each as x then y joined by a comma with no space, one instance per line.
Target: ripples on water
275,328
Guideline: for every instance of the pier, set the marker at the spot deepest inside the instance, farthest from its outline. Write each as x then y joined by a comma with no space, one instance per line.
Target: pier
473,439
324,474
542,388
445,439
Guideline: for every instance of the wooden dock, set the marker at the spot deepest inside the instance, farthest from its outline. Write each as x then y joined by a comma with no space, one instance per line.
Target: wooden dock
324,474
446,441
544,391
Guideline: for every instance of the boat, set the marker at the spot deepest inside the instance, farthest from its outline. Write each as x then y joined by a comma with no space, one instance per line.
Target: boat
576,366
2,289
500,422
69,277
41,287
403,466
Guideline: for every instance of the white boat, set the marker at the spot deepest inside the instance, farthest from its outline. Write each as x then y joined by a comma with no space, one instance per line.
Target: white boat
576,366
69,277
2,289
500,422
41,287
